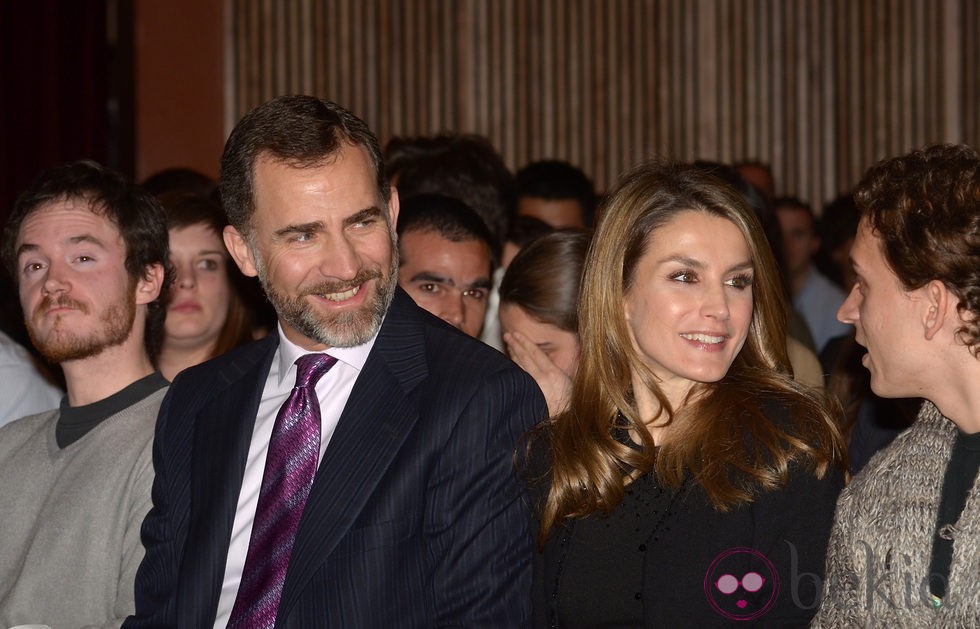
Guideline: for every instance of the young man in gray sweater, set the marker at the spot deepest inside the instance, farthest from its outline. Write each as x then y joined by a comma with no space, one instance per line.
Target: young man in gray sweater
88,252
905,547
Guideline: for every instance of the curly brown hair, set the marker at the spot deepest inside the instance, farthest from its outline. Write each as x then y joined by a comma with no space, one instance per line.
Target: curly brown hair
925,207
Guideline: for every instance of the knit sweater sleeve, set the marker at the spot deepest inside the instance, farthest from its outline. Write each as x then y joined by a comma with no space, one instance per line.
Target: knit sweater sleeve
840,605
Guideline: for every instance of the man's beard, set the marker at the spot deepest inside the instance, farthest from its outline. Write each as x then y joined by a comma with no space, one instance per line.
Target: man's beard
62,345
346,329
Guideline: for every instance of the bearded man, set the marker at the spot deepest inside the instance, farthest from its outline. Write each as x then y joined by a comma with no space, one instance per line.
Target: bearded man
378,491
88,253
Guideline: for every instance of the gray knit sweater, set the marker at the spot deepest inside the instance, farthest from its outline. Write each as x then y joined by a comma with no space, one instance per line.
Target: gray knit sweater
70,518
881,544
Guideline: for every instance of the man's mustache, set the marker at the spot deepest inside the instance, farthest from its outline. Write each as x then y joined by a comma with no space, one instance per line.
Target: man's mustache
327,288
47,303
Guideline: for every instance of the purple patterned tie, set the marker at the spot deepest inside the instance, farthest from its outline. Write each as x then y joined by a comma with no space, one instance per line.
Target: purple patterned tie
289,469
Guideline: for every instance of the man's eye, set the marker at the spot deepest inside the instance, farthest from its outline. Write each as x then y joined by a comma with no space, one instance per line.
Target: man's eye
476,293
32,267
84,259
429,288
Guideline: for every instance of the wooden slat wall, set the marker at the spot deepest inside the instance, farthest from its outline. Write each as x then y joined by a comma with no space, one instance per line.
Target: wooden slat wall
820,89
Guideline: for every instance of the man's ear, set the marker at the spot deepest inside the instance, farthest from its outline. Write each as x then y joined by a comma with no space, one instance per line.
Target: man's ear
240,252
149,286
393,207
936,304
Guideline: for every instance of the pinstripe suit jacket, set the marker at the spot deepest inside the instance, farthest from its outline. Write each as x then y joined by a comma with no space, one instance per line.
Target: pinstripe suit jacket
415,517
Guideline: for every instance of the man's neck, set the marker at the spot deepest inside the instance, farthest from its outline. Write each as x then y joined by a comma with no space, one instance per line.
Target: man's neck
96,378
957,396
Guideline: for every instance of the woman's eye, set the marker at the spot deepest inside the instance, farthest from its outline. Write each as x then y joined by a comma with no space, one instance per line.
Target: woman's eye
208,265
740,281
683,276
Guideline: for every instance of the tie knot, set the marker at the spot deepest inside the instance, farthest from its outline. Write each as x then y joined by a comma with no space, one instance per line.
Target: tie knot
311,367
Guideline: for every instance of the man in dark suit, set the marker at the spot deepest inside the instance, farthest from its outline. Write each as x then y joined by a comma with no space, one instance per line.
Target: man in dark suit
411,512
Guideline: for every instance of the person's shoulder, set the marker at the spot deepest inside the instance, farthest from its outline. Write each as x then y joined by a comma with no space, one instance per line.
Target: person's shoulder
20,430
142,413
924,446
798,425
451,350
227,368
783,408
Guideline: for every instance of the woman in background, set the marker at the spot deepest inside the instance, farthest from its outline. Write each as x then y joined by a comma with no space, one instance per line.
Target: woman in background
539,311
206,315
692,481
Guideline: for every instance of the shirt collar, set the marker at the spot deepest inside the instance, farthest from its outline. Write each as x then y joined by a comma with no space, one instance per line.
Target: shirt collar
354,357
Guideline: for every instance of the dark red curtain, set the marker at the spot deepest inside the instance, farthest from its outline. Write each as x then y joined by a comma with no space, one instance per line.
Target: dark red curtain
55,72
54,63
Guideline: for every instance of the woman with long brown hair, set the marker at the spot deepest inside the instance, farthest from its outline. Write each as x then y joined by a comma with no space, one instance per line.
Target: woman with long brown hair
691,481
206,313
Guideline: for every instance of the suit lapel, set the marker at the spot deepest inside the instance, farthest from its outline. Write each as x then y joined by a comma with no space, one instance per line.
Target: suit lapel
375,423
222,434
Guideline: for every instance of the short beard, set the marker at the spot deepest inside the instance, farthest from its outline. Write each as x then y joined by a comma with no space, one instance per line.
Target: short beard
62,345
347,329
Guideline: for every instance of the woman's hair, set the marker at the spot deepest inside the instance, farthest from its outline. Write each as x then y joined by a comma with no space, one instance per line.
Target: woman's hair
723,436
544,277
187,209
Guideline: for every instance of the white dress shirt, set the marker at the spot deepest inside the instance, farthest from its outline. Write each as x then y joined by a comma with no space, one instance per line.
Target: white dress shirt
332,390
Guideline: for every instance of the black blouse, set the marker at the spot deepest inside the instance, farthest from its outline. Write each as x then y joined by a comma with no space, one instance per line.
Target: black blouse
666,557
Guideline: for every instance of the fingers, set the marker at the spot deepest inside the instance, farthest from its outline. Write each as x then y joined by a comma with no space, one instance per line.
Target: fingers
528,355
553,382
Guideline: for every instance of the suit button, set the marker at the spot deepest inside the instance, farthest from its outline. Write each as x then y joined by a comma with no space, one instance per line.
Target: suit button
643,548
638,595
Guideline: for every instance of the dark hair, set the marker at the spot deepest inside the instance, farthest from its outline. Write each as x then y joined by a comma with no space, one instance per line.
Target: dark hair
793,203
450,218
188,209
462,166
138,216
524,230
839,221
544,278
557,180
763,168
178,179
925,207
303,131
837,225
